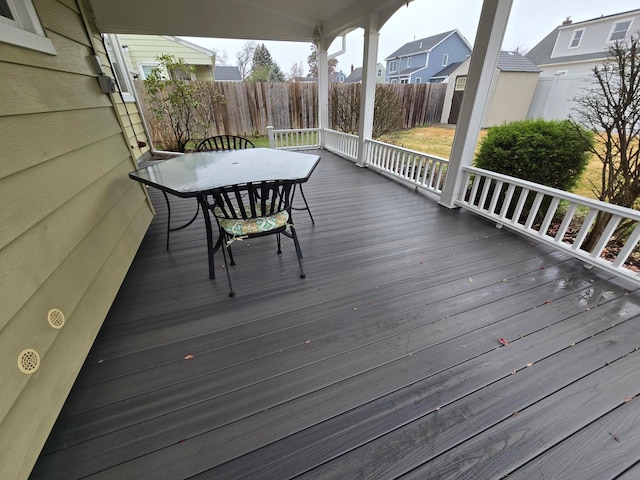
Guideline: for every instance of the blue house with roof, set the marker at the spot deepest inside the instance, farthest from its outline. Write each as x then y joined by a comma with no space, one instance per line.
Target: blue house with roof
419,61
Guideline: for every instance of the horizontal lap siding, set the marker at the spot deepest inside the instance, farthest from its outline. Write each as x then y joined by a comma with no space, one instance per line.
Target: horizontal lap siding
71,220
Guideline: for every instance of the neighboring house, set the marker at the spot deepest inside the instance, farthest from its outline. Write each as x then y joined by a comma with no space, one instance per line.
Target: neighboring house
356,74
420,60
339,77
141,53
567,55
227,73
514,82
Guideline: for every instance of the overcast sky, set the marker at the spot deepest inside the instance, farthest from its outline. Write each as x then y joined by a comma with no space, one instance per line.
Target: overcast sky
530,21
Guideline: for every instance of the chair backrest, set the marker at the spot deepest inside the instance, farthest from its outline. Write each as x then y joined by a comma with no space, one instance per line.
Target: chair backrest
224,142
252,200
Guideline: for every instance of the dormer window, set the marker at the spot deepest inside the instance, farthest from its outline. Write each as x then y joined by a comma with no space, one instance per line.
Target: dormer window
575,40
620,30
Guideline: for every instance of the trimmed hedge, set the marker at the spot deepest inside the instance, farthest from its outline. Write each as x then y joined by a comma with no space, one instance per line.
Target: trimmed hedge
549,152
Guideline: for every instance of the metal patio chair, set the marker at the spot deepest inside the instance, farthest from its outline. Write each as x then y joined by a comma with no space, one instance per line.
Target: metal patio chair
212,144
252,210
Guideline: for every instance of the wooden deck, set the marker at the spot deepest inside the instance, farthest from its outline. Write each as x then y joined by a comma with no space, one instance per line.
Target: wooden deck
385,362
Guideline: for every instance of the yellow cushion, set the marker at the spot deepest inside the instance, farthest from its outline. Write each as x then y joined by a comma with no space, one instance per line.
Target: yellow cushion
238,227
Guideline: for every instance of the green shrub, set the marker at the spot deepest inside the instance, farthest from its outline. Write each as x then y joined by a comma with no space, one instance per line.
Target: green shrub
551,153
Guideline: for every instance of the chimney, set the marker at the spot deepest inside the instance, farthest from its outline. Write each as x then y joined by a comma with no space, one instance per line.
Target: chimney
567,21
352,68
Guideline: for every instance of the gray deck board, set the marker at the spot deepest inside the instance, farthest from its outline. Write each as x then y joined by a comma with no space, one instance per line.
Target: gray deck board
385,362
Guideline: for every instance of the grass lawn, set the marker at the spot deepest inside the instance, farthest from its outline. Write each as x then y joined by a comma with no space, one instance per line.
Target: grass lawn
437,140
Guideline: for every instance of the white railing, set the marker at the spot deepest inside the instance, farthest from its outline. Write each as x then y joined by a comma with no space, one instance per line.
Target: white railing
297,139
555,217
417,168
340,143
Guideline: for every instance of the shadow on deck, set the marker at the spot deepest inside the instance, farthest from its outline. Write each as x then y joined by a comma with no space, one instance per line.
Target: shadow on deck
385,362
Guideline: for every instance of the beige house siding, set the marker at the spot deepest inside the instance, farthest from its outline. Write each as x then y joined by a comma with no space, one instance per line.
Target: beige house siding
508,100
146,49
71,220
512,97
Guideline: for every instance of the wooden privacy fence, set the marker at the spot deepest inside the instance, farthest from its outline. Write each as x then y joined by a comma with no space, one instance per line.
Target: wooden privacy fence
249,107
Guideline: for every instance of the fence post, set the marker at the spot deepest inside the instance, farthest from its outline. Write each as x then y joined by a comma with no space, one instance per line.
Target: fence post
272,136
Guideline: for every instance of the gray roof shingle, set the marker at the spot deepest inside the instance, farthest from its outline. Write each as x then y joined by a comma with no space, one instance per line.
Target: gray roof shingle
224,73
514,62
421,45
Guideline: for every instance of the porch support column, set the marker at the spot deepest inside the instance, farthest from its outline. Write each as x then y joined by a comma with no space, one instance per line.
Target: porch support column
323,89
368,92
493,23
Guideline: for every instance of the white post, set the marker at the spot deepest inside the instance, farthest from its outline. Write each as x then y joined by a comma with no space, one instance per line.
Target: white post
368,92
323,89
272,137
486,49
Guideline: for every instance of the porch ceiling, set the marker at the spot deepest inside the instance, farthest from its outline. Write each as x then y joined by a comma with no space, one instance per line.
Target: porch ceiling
291,20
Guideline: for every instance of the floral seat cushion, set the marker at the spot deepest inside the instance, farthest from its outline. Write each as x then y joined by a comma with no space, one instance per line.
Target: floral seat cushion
238,227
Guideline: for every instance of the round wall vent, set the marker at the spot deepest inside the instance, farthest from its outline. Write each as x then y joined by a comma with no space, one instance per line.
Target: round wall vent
28,361
55,318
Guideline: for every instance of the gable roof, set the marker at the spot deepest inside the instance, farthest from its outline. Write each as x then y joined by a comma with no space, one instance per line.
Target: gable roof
355,76
190,45
226,73
540,54
507,62
448,70
515,62
425,44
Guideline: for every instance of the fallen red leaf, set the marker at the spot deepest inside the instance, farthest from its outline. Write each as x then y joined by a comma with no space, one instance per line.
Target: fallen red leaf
503,341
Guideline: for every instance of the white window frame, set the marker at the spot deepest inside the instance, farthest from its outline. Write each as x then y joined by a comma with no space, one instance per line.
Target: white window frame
379,72
613,30
418,80
445,59
577,35
393,80
119,66
460,83
392,65
143,76
404,80
408,62
24,29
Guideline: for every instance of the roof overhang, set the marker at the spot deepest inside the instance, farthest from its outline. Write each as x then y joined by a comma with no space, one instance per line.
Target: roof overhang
288,20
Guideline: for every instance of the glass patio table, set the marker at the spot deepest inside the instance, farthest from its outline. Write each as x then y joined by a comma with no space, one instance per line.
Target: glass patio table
195,174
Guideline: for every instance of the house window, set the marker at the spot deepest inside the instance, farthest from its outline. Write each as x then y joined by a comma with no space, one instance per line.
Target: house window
404,80
114,52
379,72
461,83
394,80
445,59
19,25
620,30
418,80
392,66
575,40
146,67
408,62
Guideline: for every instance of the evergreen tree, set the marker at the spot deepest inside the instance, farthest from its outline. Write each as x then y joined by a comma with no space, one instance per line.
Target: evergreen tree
276,74
262,64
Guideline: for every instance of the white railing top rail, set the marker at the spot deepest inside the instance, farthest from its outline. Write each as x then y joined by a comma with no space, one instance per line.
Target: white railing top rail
408,150
554,192
536,211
